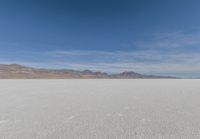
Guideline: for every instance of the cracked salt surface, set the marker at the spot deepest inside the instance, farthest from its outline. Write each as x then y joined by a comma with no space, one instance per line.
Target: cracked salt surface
100,109
3,121
70,118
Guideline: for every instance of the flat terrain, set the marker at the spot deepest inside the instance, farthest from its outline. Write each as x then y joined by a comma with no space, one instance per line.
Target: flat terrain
100,109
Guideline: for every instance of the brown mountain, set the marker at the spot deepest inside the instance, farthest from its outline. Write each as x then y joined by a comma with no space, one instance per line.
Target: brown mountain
15,71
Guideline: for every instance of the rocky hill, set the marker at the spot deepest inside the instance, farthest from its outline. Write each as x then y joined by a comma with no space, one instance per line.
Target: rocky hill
15,71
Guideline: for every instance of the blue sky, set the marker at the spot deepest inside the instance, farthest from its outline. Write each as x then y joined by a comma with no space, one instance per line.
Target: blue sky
147,36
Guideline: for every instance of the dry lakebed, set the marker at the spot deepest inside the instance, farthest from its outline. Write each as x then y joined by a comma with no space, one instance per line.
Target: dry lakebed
100,109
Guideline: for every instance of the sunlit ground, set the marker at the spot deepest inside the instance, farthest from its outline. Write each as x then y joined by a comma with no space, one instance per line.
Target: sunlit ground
100,109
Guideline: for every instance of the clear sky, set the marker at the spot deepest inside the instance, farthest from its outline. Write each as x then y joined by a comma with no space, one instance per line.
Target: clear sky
147,36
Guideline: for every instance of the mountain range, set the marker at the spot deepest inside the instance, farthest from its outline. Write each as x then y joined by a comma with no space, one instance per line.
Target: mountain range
16,71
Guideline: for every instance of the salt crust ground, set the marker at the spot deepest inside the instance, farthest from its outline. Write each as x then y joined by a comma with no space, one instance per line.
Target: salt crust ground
100,109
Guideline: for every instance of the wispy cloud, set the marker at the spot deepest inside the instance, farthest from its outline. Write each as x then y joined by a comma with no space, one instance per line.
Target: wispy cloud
145,61
165,54
141,61
172,40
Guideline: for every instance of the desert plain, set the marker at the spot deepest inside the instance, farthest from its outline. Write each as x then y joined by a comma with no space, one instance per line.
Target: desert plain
100,109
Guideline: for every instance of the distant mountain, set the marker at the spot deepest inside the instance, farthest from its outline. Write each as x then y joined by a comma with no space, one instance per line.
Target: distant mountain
15,71
129,74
